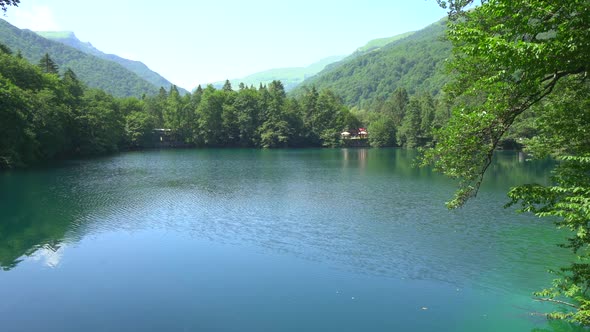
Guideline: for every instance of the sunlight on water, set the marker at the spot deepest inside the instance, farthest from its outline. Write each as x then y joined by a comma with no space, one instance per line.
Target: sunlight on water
244,240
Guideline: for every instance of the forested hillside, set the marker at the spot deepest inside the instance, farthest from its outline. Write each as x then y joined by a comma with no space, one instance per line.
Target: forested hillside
138,67
95,72
376,44
47,115
414,62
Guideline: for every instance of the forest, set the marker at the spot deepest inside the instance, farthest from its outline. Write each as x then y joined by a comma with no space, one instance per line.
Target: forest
516,76
366,79
47,115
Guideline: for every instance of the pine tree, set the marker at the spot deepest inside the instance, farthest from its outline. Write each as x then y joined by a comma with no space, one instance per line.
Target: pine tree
227,86
47,65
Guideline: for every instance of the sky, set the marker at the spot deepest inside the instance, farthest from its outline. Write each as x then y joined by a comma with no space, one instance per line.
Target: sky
192,42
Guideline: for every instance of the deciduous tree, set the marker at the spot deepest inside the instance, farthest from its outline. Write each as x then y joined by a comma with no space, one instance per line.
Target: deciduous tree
512,57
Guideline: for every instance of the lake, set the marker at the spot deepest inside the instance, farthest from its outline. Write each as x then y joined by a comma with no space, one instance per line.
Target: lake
269,240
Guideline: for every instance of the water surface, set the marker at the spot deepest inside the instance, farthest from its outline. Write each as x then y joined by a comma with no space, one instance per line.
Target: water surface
269,240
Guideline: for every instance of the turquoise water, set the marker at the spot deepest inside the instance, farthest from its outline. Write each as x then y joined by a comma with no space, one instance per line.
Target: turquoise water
269,240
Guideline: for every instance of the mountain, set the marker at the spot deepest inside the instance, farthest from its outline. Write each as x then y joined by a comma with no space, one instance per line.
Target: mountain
93,71
369,76
139,68
290,77
376,44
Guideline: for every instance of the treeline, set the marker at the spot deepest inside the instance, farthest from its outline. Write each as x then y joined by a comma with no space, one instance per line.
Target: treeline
45,116
405,121
261,117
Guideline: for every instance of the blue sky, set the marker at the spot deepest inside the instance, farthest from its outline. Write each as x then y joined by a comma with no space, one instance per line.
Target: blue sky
194,42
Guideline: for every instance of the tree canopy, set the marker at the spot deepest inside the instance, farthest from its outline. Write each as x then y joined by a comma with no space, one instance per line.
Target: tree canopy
513,59
508,56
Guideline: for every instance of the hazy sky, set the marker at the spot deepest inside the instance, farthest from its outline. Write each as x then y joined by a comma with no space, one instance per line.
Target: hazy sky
194,42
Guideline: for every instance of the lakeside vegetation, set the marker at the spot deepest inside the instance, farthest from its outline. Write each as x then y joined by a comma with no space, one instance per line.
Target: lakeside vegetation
48,116
516,63
514,78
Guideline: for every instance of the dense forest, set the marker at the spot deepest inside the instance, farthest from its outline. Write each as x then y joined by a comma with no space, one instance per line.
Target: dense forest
47,115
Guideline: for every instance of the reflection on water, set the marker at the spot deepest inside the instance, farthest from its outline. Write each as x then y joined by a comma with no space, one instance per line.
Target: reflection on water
370,209
369,215
50,256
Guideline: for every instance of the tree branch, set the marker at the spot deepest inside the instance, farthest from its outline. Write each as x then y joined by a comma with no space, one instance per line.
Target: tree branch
540,299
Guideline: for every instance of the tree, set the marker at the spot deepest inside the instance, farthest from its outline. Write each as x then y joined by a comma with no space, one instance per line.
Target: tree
382,132
73,84
274,131
427,115
247,105
396,106
209,114
5,3
309,102
227,86
5,49
408,134
100,125
510,58
18,142
139,128
325,118
47,65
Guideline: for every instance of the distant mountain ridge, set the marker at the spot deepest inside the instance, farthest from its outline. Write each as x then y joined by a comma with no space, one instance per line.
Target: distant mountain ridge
290,76
377,44
365,79
69,38
92,70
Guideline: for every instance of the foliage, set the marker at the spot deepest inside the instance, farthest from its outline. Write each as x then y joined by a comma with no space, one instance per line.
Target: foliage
137,67
47,65
504,63
93,71
514,59
52,116
382,131
379,43
47,116
409,131
367,80
5,3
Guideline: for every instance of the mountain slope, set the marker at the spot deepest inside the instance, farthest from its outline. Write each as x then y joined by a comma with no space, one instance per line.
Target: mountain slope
139,68
95,72
414,62
379,43
290,77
